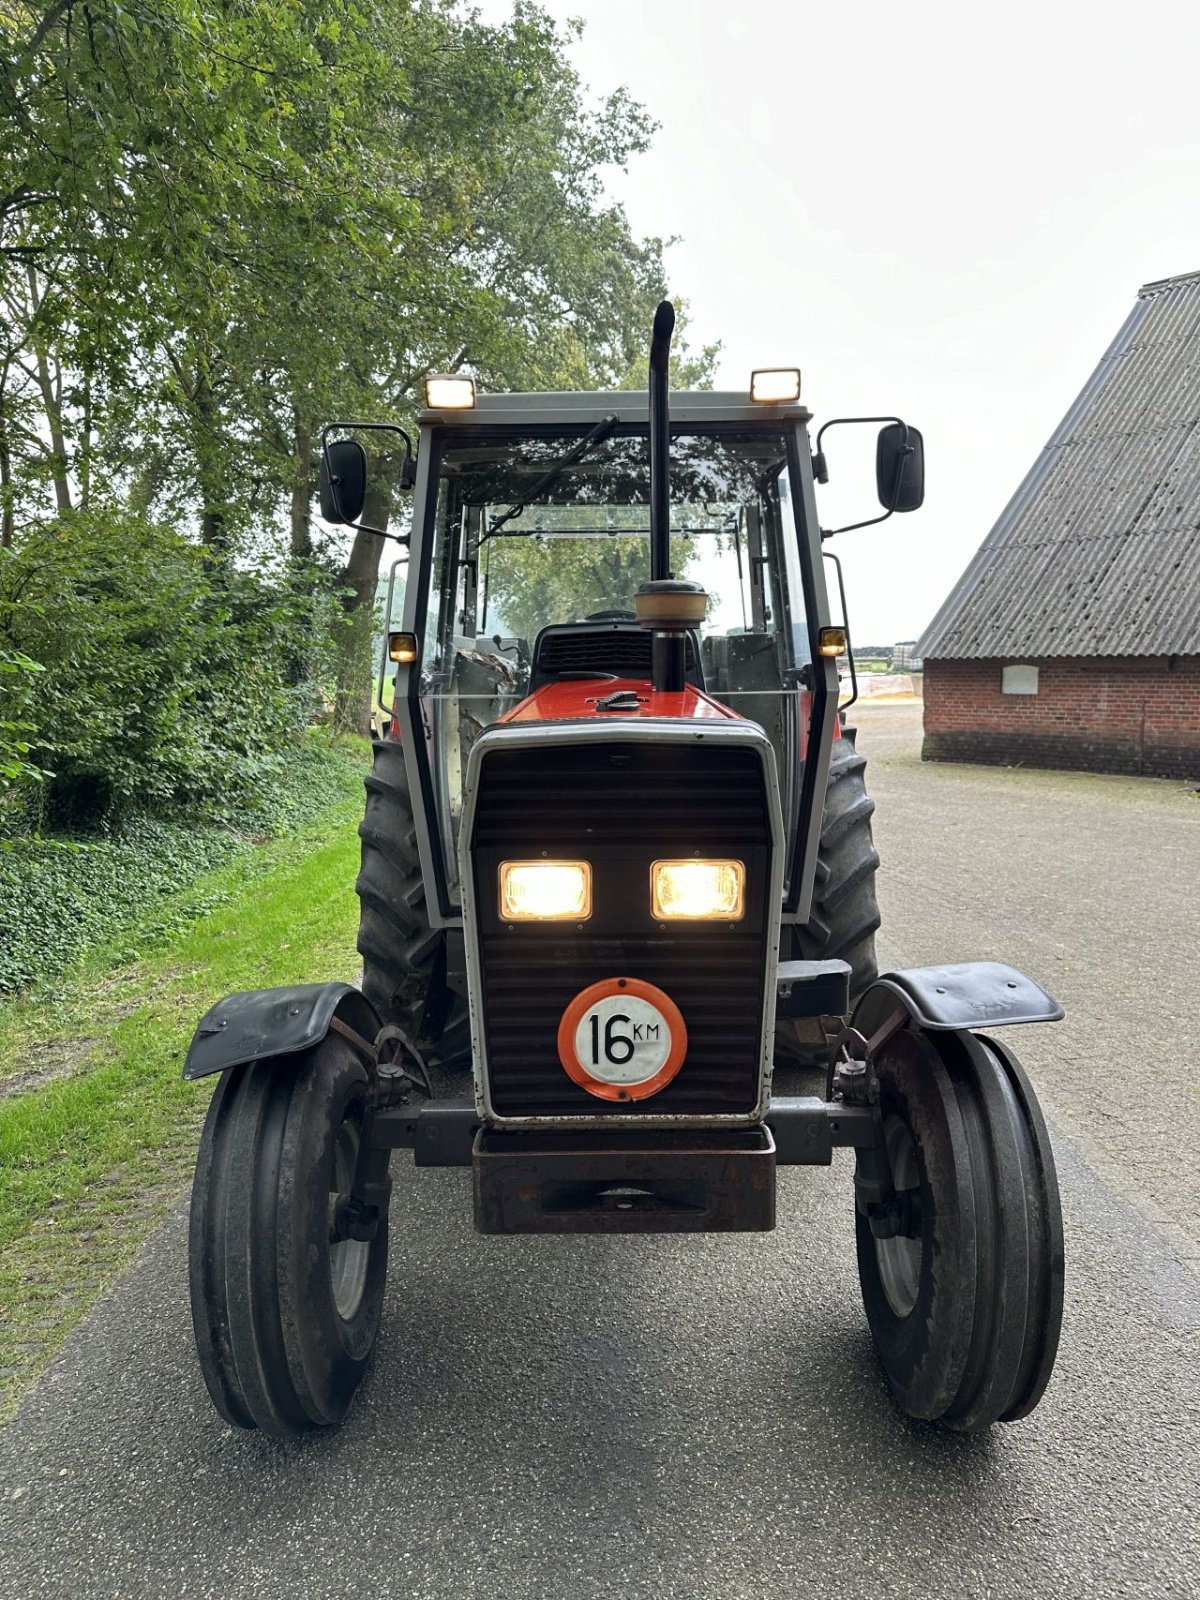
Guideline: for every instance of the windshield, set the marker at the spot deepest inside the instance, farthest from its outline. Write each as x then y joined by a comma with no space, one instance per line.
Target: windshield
582,547
532,532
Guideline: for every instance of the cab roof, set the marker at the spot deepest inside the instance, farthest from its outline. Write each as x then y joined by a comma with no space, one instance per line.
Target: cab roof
629,405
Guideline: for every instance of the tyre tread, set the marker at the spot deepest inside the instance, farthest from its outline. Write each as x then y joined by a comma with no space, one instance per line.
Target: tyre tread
403,956
845,912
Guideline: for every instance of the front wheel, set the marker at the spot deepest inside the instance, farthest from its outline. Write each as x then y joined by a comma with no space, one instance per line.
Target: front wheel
284,1313
962,1272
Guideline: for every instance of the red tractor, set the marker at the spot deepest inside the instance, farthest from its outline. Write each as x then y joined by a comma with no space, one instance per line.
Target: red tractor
617,881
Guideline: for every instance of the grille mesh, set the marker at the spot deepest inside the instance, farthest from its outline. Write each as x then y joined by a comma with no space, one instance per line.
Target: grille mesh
622,806
625,651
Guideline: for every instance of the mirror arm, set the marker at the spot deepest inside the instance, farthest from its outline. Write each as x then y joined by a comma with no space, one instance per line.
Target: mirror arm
828,533
821,472
840,422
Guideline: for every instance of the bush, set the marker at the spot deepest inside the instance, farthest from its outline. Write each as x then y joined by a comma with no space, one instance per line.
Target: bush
16,770
59,897
169,678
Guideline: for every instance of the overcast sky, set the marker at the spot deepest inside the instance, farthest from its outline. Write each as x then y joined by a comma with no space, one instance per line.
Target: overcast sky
940,210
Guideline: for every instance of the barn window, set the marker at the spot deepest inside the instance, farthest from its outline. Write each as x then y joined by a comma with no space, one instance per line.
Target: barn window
1019,679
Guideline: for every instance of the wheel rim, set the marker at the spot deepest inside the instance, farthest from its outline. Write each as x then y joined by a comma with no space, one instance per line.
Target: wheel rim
900,1258
348,1258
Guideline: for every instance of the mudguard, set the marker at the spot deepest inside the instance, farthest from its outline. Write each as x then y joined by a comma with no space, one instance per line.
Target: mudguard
274,1022
966,994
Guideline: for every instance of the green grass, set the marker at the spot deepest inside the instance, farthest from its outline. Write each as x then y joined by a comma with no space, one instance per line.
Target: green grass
100,1138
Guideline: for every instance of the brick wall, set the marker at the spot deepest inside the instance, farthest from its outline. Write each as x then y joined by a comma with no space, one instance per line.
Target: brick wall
1115,714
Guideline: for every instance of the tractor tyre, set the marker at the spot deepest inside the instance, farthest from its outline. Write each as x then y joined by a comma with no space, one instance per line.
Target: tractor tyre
964,1298
845,913
284,1316
404,959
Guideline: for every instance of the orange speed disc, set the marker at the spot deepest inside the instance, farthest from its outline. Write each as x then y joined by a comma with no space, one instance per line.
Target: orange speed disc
622,1039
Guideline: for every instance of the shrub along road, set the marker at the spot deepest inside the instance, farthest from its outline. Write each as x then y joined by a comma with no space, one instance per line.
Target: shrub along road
699,1417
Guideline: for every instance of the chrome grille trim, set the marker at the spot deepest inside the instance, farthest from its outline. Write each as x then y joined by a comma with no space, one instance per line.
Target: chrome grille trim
732,734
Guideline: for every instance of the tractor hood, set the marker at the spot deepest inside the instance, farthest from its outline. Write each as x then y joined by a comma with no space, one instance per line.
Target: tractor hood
616,700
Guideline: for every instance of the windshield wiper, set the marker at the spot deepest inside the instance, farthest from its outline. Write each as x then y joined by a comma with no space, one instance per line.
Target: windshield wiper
549,478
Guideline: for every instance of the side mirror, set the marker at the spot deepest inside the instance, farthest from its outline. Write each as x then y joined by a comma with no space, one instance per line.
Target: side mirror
343,481
900,467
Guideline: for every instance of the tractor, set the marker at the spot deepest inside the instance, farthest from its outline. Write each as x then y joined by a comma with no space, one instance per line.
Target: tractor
617,903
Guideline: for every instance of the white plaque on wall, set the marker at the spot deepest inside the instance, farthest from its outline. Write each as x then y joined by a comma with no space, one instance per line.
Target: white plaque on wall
1020,680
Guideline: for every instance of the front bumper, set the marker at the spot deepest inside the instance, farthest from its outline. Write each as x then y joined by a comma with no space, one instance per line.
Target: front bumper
625,1180
618,1181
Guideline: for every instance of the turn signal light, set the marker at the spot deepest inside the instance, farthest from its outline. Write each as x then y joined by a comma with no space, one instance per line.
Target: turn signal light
402,648
831,642
775,386
698,891
545,891
449,392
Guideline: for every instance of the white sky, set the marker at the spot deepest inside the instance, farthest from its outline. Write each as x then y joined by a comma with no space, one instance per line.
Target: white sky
939,210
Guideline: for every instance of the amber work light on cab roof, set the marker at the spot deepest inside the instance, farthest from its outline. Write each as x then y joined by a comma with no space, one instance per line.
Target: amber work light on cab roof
449,392
775,385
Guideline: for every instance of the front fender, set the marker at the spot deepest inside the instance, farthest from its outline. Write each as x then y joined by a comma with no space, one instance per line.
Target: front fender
274,1022
966,994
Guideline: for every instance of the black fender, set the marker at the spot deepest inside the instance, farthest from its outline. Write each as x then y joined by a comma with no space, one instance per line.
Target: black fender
962,995
275,1022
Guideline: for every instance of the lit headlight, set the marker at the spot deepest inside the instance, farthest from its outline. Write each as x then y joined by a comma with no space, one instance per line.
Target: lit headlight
545,891
698,891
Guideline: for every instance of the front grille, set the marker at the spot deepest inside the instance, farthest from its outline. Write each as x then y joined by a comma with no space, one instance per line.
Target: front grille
622,806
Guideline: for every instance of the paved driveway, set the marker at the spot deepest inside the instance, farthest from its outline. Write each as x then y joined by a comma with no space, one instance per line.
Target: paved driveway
703,1417
1092,884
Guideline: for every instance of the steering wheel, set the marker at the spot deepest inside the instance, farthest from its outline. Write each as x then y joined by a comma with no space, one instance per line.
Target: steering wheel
615,615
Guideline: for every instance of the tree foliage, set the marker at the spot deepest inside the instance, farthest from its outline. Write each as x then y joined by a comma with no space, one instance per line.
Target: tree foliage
535,581
164,681
16,769
222,225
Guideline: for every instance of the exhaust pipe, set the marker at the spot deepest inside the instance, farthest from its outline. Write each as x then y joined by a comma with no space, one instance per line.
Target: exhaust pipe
669,606
660,443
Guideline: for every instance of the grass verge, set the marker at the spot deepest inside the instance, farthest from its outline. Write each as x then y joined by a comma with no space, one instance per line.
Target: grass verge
119,886
102,1137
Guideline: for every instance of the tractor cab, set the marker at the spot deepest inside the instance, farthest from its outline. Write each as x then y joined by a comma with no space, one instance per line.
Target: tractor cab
530,541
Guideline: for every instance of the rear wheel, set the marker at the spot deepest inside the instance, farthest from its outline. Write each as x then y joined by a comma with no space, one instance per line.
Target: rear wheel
284,1315
845,913
964,1298
404,959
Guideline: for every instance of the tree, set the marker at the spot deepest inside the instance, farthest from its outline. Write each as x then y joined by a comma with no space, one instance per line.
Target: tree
221,226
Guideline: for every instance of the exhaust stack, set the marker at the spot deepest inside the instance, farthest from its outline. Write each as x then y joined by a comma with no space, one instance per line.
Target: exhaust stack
660,442
670,606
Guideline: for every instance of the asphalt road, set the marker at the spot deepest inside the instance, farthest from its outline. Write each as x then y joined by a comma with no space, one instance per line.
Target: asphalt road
703,1417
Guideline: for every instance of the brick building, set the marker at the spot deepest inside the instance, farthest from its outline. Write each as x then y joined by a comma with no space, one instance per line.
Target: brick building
1073,637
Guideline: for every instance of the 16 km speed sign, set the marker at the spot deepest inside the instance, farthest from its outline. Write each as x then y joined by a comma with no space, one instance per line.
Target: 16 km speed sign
622,1039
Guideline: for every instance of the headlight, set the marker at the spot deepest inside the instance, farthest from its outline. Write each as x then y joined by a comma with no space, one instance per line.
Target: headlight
545,891
698,891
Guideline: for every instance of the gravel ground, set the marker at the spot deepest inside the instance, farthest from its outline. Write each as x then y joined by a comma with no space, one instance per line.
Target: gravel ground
685,1418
